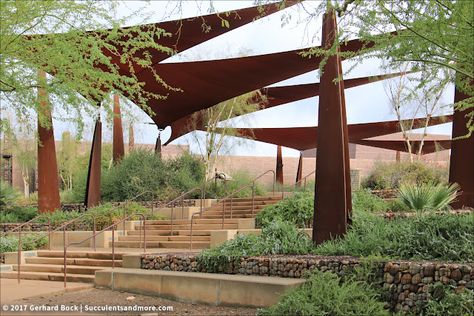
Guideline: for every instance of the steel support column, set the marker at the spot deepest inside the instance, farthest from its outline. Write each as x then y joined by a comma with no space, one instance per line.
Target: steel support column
279,166
332,190
299,171
158,146
48,185
93,176
117,141
461,167
131,138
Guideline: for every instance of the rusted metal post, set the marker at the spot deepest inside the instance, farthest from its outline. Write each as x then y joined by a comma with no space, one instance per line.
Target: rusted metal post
48,185
117,141
332,189
299,171
231,199
279,166
461,167
158,145
253,197
93,176
131,138
20,246
94,229
64,257
144,234
223,213
113,246
172,215
49,233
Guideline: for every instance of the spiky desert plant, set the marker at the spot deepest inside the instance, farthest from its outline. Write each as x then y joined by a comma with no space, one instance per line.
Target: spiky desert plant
429,196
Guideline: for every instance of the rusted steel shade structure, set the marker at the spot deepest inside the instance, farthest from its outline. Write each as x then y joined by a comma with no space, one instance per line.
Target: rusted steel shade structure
299,171
117,141
429,146
48,185
279,166
93,176
332,204
461,167
304,138
274,96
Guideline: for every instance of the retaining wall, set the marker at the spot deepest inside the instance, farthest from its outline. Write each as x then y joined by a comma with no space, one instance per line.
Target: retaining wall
406,284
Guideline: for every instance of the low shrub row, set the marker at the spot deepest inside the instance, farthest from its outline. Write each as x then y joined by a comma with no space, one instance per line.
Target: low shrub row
28,242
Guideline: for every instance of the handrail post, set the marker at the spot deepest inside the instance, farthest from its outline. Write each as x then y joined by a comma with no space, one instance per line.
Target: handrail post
172,212
231,200
182,206
64,259
191,234
223,213
19,254
113,246
49,233
124,215
93,232
144,234
253,197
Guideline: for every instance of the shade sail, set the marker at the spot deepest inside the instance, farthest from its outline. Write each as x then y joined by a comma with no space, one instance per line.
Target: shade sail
429,146
303,138
186,33
206,83
274,96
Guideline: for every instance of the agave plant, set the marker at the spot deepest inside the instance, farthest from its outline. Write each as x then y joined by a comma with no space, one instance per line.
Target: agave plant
429,196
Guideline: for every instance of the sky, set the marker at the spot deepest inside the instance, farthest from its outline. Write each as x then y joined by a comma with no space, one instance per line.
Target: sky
368,103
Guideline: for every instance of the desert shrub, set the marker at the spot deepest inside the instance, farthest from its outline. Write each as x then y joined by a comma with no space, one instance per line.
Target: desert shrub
325,293
186,173
428,196
391,175
277,238
18,214
444,301
297,209
8,195
28,242
220,189
363,200
425,237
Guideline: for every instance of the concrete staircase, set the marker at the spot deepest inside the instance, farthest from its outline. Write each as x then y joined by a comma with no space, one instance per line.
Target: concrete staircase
159,234
48,266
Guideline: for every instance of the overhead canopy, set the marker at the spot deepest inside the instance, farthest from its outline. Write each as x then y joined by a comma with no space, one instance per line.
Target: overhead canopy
274,96
207,83
304,138
429,145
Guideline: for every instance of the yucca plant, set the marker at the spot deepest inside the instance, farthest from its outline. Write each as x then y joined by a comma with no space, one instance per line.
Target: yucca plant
428,196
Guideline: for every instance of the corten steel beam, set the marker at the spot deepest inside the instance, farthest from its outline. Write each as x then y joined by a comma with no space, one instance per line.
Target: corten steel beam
332,207
48,186
299,171
302,138
94,172
118,147
158,146
461,167
279,166
273,96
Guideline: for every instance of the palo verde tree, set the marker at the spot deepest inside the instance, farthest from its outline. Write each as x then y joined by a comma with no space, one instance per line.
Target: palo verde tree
74,42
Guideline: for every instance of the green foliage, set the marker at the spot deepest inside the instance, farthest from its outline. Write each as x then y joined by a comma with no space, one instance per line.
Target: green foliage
18,214
277,238
8,195
297,209
445,301
391,175
363,200
220,189
424,237
324,293
141,175
28,242
428,197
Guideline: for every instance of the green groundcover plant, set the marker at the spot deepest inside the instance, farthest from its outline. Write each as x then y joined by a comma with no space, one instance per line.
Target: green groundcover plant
428,196
28,242
324,294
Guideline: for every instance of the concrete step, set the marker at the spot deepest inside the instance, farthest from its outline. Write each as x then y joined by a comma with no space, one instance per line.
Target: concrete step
217,216
164,238
187,226
205,232
55,268
187,221
78,254
162,244
193,287
73,261
46,276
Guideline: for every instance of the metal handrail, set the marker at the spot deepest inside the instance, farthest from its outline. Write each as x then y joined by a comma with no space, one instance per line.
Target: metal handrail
63,227
252,184
298,183
143,227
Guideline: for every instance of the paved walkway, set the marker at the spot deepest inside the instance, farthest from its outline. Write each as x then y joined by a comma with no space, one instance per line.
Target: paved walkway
11,291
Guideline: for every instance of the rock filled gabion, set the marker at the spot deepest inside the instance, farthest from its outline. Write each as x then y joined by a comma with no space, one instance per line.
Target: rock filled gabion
407,284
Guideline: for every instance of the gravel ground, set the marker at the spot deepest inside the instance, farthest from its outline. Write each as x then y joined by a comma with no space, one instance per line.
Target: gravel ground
101,297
